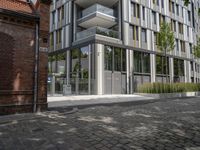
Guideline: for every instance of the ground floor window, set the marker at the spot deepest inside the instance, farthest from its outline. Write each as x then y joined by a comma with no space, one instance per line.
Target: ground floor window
114,59
179,70
141,62
162,66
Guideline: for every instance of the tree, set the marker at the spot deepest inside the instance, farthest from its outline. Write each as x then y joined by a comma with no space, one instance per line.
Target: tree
187,2
166,42
197,49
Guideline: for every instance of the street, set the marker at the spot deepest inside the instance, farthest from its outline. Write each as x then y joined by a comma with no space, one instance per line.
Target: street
163,125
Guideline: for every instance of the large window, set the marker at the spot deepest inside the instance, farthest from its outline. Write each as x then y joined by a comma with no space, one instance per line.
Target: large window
161,65
115,59
178,67
141,62
108,57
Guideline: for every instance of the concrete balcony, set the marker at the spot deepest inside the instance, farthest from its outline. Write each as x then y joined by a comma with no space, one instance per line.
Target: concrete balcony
88,3
97,15
97,30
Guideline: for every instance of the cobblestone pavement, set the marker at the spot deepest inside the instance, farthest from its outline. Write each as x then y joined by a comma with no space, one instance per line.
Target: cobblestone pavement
166,125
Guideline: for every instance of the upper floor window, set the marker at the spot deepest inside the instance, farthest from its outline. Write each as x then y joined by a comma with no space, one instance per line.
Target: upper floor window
154,17
162,3
135,10
135,33
177,45
53,17
182,43
189,16
144,35
59,36
177,10
143,13
180,26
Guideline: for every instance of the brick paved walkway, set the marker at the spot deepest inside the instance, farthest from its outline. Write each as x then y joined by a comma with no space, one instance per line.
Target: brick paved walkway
170,125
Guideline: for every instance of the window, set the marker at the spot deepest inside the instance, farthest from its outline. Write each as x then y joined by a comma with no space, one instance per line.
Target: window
117,59
182,11
162,3
143,13
146,63
180,26
53,17
177,45
144,35
173,25
161,19
137,62
135,10
135,33
158,3
63,12
191,65
59,36
191,50
173,7
170,6
182,43
177,10
161,65
178,67
108,58
155,38
189,16
141,62
51,39
154,17
188,31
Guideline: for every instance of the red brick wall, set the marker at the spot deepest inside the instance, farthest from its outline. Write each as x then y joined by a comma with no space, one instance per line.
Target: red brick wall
43,63
17,68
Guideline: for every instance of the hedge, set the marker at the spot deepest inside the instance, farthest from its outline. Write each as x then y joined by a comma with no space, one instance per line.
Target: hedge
156,88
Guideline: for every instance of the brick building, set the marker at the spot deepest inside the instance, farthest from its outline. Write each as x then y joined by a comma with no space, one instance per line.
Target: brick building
23,55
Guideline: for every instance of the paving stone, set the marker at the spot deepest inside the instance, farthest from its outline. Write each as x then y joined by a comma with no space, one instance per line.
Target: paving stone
142,127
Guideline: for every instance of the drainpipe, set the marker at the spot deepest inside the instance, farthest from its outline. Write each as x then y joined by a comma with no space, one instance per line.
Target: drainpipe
36,67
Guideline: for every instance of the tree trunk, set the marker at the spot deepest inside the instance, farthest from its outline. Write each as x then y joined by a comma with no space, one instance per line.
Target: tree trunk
166,66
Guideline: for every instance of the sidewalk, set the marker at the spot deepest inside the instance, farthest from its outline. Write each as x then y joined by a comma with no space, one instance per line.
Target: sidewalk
91,100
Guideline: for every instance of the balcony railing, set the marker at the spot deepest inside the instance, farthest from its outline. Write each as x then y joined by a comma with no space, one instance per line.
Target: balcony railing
97,30
98,8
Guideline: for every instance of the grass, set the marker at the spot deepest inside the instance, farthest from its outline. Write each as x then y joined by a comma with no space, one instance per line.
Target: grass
157,88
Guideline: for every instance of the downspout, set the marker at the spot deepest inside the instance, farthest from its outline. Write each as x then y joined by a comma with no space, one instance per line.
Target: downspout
36,66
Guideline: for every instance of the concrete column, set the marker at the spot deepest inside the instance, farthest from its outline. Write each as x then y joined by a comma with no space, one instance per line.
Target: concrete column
153,67
128,71
67,67
185,71
171,69
195,74
188,72
99,69
131,66
53,84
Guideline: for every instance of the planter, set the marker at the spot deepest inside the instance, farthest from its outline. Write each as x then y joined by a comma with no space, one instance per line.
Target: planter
170,95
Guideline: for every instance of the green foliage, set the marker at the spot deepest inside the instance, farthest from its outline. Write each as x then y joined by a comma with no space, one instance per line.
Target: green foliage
165,38
197,49
186,2
157,88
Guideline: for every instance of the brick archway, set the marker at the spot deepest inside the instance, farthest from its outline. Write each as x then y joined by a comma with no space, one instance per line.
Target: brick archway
6,61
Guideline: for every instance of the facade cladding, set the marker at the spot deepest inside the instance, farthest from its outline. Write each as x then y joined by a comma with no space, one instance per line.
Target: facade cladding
110,47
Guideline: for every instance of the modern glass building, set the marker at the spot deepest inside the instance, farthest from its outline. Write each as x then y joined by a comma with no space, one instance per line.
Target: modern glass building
110,46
